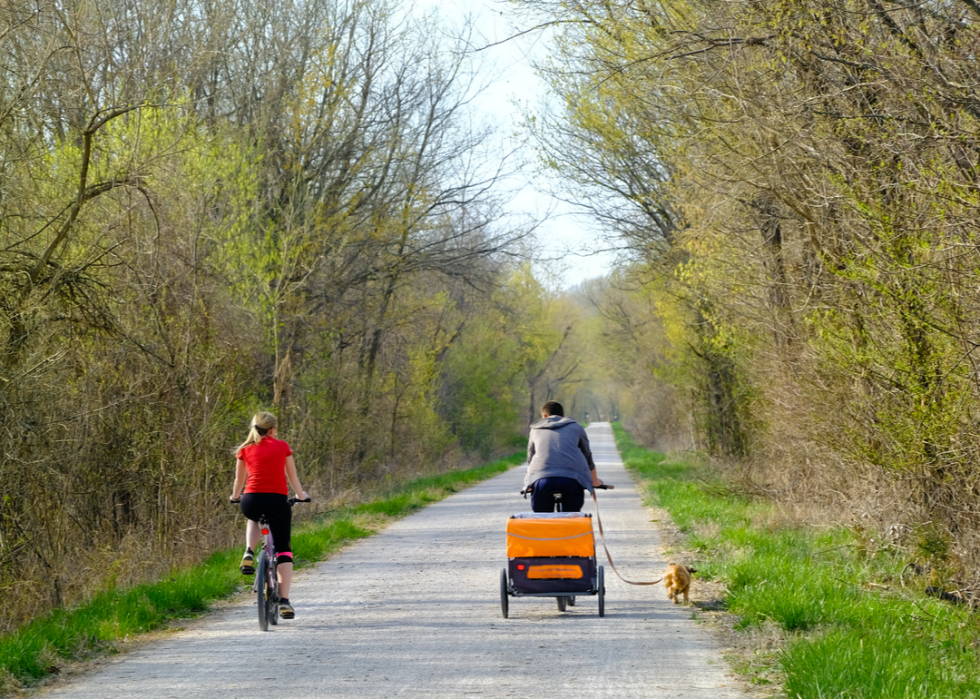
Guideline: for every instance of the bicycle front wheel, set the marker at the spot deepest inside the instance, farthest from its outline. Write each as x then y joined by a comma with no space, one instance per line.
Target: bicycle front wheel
261,584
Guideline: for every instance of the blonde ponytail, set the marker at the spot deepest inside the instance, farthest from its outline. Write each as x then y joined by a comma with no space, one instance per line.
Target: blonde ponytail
261,424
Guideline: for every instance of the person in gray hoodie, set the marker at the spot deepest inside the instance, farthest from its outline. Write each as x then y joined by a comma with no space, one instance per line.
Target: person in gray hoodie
559,460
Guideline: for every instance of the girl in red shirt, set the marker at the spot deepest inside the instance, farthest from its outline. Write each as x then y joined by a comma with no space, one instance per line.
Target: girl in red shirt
264,466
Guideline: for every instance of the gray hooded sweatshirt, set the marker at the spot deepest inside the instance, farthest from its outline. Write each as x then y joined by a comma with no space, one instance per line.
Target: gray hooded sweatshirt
558,446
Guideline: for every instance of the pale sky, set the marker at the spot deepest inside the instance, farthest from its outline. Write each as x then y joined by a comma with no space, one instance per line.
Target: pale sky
565,235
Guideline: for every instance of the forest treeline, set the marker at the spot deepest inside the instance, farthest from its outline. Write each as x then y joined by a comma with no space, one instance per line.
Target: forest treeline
207,209
797,184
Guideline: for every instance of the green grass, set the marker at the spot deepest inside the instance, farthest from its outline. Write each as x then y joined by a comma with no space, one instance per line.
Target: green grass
35,650
850,629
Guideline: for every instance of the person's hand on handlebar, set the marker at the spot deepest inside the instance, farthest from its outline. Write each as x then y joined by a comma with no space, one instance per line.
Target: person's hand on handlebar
605,486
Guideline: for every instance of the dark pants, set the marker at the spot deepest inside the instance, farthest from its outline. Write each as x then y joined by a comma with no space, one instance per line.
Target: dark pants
278,514
545,489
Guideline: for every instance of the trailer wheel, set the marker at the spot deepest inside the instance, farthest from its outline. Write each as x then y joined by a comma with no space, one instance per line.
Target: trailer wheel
571,601
504,601
601,584
561,603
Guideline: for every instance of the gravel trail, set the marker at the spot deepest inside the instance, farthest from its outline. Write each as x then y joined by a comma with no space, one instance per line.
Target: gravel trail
414,611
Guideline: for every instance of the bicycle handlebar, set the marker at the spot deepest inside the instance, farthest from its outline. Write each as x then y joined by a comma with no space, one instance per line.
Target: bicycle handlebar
292,501
604,486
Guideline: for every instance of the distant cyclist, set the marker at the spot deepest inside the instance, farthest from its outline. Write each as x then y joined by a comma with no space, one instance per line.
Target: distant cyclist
559,461
263,467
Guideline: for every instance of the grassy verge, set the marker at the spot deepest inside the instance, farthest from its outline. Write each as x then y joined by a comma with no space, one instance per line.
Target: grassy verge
847,624
36,650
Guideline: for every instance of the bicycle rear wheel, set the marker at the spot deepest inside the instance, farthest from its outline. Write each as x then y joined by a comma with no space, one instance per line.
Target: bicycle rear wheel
273,594
261,584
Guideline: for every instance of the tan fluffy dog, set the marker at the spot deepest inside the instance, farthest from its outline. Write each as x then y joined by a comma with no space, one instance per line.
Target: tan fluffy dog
678,581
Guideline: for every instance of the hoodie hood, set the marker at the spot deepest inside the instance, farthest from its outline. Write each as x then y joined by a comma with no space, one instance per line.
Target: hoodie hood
552,423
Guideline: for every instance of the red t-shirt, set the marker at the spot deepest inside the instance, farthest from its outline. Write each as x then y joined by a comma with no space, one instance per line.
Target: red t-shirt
266,465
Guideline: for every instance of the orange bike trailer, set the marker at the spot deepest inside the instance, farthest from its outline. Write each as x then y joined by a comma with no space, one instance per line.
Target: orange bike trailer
551,555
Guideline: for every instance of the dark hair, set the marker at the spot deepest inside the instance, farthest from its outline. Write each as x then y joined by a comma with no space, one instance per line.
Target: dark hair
553,407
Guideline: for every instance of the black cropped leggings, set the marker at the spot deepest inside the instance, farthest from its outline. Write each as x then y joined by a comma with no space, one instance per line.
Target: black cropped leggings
278,514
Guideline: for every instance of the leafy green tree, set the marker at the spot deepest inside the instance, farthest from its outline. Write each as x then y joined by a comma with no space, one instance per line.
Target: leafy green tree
818,161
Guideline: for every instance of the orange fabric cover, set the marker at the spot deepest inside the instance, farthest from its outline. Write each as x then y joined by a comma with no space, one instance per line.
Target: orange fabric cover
530,538
554,572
